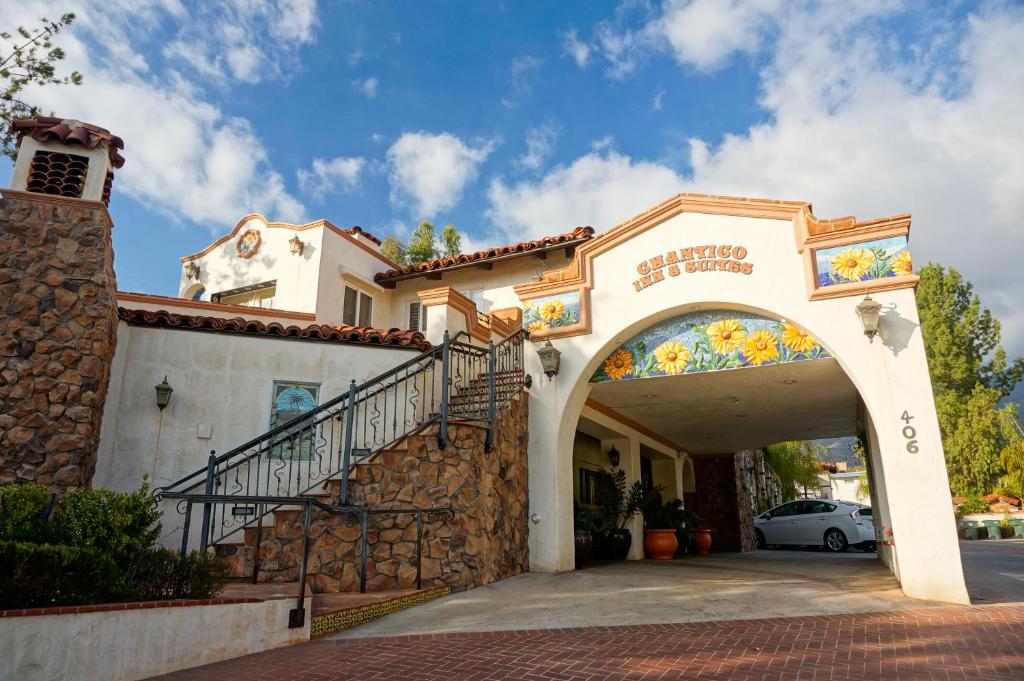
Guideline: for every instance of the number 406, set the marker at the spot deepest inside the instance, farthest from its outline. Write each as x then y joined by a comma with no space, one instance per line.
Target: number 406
909,432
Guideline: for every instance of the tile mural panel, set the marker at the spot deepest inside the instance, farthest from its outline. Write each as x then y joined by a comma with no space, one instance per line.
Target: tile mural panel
552,312
865,261
710,340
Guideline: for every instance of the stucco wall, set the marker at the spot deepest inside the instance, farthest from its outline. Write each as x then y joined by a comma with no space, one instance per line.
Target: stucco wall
126,645
222,395
890,374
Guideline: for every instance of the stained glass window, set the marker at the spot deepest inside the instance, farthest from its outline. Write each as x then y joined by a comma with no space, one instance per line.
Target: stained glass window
291,400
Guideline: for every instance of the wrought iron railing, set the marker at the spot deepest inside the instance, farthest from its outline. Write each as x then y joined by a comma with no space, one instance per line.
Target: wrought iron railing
456,381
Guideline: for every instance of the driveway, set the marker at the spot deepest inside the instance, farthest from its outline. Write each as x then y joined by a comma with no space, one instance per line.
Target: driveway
693,589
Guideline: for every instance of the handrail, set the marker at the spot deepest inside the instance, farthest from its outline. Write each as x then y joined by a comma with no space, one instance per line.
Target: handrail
300,455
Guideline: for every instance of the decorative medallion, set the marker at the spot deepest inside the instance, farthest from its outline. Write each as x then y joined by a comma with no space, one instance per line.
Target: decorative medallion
248,244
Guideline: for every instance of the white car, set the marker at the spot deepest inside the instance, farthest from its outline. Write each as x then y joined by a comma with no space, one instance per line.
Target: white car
836,525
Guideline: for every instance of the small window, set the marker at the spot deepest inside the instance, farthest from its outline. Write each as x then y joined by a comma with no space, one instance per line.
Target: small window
357,308
477,296
588,487
291,400
417,316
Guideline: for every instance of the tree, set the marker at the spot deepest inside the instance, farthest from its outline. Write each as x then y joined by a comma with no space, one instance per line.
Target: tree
796,464
1012,456
959,335
393,249
970,376
451,242
422,246
30,58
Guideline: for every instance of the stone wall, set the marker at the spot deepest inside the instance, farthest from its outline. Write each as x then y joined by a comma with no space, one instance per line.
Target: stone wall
723,502
484,541
58,323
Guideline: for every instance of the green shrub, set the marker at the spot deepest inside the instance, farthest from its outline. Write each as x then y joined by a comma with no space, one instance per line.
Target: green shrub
974,504
23,513
164,574
40,575
121,525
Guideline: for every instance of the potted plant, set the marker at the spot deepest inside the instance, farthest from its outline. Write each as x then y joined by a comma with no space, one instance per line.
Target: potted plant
615,507
585,527
661,522
700,536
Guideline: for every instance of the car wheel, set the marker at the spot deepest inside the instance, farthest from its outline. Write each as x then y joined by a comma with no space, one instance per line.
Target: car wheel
871,547
760,539
835,541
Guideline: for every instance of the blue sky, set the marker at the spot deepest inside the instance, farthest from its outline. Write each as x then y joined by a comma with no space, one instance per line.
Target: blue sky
519,119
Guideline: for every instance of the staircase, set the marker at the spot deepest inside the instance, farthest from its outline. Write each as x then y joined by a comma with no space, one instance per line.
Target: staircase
370,475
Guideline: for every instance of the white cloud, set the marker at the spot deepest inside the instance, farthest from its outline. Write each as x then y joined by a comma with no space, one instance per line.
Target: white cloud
601,188
656,102
576,48
540,142
337,174
429,171
705,33
519,73
368,87
185,157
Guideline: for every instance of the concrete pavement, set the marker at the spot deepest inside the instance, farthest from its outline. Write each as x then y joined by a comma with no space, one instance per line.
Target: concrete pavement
994,570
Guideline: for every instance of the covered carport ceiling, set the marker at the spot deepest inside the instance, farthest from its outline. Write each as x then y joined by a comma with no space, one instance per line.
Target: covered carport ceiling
725,411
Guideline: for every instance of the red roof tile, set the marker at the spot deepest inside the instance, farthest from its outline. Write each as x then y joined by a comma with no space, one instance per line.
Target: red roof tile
51,128
366,235
315,332
576,235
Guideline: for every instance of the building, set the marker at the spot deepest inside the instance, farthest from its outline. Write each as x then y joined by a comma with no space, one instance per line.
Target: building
704,327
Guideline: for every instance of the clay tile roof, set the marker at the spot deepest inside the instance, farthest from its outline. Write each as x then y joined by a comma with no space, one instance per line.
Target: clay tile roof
53,129
314,332
576,235
366,235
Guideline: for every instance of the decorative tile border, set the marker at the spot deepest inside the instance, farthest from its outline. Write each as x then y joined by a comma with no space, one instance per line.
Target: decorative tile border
711,340
864,261
329,623
558,315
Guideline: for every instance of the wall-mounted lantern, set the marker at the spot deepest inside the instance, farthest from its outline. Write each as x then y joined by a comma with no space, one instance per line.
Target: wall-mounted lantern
868,311
191,270
163,394
613,457
550,357
296,245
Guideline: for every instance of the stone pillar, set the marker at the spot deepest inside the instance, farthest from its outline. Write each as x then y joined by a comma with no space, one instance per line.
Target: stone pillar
58,305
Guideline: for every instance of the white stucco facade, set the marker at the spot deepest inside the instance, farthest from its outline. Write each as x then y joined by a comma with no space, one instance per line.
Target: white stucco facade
222,381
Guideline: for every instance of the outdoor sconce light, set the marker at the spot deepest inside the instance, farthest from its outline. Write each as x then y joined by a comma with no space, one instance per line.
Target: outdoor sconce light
549,358
191,270
296,245
163,394
868,310
613,457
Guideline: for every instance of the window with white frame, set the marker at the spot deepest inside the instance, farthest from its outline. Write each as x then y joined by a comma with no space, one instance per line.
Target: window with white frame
358,308
417,316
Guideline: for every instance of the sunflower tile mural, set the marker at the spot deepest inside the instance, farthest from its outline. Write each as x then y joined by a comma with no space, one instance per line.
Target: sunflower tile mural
552,312
866,261
708,341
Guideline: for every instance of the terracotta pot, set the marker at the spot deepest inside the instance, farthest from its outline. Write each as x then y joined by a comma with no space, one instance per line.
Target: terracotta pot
617,544
584,546
660,544
703,538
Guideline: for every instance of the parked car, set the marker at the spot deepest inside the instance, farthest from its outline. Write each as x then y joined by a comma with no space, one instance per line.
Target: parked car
835,525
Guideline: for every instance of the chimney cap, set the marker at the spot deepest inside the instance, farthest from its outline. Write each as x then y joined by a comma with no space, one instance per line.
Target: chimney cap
69,131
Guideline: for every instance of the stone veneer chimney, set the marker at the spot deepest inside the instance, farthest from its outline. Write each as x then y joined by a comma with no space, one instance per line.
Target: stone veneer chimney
58,305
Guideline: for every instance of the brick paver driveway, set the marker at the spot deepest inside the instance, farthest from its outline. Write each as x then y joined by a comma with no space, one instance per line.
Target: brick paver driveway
948,642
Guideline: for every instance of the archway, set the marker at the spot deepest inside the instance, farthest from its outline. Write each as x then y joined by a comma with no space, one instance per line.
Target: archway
687,402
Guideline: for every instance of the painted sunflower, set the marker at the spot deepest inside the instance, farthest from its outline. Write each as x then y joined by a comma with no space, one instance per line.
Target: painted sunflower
551,310
853,263
672,357
760,347
537,326
726,335
619,364
901,264
796,339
